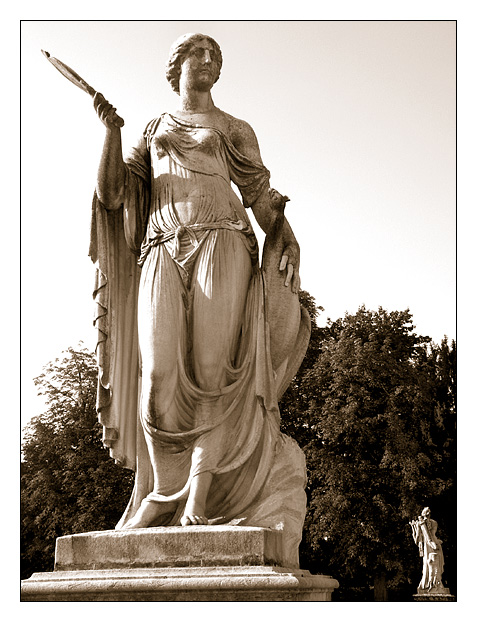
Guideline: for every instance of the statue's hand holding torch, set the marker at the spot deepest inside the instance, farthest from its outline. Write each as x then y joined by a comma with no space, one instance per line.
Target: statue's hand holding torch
106,112
103,108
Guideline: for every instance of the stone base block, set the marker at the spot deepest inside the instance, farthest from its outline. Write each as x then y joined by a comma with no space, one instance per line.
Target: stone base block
212,584
439,593
206,563
157,547
435,597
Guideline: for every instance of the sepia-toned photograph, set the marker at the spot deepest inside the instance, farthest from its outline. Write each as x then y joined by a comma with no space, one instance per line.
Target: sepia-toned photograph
238,314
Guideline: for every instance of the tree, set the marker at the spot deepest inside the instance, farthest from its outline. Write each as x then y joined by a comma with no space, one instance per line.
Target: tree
374,408
294,402
377,425
440,433
69,484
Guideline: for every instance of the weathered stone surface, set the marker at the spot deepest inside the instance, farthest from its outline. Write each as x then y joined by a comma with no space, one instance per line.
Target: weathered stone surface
206,563
157,547
281,504
234,583
433,591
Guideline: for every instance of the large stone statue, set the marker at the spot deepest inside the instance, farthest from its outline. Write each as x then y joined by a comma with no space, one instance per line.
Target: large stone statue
197,342
424,530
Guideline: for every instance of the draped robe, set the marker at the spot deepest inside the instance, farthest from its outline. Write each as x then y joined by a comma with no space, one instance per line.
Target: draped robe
430,549
164,267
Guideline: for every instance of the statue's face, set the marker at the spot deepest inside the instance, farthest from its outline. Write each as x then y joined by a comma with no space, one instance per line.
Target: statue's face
200,68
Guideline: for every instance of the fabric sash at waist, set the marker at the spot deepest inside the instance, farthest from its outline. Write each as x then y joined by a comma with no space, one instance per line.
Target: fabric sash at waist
190,230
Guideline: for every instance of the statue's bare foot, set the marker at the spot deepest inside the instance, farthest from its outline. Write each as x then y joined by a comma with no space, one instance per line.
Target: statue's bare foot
193,519
194,512
194,515
148,512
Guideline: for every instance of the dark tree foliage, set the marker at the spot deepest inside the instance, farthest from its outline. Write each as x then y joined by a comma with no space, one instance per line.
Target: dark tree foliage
374,411
294,402
374,408
69,484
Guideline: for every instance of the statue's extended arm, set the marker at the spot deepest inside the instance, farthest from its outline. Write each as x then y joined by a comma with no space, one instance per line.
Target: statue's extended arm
111,172
246,142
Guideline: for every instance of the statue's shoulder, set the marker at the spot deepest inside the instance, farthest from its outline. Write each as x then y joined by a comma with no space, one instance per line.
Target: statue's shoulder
238,131
235,125
152,126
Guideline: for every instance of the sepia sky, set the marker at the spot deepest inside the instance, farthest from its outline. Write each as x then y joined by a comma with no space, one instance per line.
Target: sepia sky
355,121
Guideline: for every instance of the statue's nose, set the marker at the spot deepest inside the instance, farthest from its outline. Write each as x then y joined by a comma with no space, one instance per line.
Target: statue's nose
207,58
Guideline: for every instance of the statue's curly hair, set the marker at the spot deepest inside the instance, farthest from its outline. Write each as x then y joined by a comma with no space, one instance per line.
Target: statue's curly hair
179,51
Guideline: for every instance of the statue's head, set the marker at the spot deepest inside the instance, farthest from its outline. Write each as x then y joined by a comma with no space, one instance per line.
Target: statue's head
426,512
179,51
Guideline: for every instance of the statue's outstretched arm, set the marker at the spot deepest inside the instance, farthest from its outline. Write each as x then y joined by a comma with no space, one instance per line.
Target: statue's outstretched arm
111,172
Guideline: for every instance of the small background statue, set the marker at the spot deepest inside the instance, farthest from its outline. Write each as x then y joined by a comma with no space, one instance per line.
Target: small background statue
424,530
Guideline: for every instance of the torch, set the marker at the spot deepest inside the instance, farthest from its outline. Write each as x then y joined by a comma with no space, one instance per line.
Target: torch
78,81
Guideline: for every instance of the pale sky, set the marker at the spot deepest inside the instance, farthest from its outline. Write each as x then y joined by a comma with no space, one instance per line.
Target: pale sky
355,121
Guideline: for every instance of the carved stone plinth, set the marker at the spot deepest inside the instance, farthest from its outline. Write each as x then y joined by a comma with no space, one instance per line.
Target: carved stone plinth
206,563
440,594
443,598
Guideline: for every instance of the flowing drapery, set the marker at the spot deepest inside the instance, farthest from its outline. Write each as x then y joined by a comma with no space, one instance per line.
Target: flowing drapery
231,430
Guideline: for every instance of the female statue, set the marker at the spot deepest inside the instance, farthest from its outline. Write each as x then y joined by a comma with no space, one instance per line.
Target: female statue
424,531
196,341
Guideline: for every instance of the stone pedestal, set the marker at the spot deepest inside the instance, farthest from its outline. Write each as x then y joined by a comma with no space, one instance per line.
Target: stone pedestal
439,594
206,563
432,598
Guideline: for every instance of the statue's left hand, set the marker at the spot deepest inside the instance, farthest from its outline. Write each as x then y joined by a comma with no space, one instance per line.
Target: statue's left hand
291,262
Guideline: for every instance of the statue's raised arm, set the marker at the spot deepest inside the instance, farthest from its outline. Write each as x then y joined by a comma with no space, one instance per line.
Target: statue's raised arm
111,171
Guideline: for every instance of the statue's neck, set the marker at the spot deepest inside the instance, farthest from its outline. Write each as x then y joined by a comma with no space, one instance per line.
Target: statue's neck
196,101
